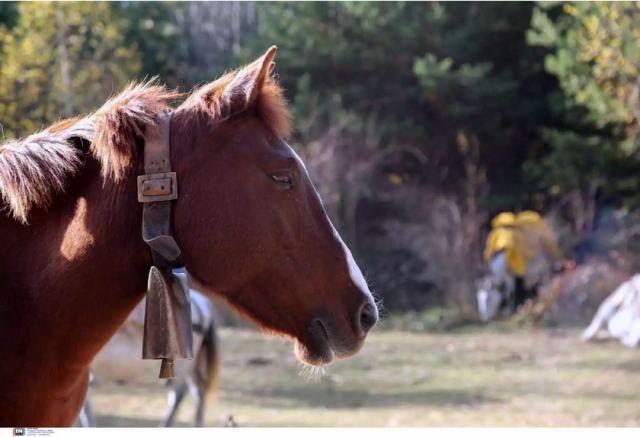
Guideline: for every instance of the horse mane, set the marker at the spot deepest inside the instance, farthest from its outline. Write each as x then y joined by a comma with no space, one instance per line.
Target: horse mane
36,168
121,122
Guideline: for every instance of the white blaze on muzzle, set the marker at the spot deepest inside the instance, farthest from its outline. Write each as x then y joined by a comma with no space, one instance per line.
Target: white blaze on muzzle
354,271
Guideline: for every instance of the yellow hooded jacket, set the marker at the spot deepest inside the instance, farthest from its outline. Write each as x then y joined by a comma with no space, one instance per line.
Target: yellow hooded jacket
503,239
520,237
538,235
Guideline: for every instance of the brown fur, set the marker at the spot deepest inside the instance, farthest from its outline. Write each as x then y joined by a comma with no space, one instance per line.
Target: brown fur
72,275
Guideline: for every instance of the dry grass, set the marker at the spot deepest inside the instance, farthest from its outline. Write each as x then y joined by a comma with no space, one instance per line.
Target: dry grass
475,377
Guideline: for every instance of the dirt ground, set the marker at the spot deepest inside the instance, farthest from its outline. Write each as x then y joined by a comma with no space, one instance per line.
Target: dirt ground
473,377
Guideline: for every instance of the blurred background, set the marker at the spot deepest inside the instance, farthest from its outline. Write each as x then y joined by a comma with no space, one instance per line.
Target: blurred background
419,122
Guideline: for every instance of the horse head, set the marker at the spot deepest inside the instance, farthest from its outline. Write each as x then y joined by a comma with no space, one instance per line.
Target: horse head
251,225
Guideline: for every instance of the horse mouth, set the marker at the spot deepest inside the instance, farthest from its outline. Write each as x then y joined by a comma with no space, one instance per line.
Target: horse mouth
325,342
316,349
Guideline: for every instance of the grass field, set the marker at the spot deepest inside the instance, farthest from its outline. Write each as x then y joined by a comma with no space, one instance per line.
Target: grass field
472,377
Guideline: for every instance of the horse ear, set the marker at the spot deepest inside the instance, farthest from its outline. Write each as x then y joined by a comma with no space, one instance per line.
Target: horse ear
246,85
238,91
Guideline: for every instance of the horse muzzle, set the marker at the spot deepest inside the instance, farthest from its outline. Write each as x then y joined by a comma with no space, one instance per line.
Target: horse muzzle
328,339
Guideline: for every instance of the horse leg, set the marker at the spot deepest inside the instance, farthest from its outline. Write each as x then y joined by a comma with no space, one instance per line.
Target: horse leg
198,389
200,411
204,375
174,397
200,395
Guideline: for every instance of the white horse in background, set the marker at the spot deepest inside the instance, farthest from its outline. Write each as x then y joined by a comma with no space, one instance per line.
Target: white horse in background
620,312
120,360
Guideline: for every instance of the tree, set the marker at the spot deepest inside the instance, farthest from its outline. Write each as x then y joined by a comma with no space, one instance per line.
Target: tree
61,59
596,58
186,43
592,137
8,14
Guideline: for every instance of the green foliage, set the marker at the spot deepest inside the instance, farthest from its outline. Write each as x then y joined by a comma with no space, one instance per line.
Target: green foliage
594,53
8,14
59,60
349,57
577,162
157,36
596,57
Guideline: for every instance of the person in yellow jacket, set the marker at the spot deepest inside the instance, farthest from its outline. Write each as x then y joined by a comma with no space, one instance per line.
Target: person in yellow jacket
518,250
503,239
539,237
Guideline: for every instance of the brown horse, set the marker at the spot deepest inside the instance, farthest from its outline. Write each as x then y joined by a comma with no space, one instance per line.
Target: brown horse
248,220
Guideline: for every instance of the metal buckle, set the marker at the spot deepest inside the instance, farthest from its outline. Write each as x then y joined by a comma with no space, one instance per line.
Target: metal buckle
157,187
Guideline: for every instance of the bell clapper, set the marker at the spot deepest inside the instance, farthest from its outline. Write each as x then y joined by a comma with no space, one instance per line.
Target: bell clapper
166,369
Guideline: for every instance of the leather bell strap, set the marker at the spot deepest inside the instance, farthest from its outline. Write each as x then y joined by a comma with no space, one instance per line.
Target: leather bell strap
156,189
167,325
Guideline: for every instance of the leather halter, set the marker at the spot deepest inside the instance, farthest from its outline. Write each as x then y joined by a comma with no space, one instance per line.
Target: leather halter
167,323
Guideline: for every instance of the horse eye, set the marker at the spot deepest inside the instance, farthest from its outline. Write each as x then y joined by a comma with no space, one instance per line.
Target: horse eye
283,179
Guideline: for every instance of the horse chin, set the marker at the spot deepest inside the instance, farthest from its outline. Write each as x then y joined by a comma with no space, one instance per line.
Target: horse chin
316,355
324,343
315,348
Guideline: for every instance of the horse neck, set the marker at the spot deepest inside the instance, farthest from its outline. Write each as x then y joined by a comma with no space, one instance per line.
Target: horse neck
80,267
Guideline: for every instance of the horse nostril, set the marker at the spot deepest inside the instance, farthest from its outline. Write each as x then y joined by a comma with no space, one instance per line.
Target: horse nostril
368,317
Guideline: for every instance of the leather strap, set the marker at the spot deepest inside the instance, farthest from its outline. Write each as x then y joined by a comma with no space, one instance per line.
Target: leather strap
156,189
167,323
